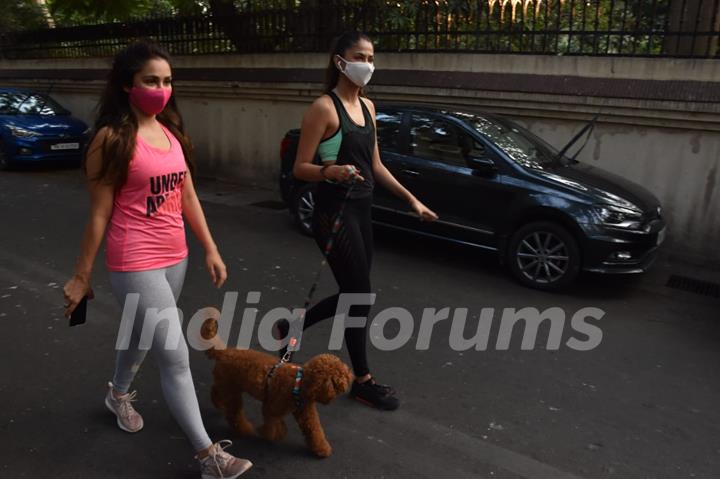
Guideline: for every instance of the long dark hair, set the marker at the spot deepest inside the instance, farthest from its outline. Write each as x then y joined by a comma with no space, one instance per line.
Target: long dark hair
114,112
340,45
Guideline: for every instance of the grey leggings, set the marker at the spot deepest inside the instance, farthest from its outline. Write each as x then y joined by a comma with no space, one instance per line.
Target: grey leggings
159,288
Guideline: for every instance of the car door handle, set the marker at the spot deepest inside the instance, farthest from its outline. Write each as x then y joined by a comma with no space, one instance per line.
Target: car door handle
411,172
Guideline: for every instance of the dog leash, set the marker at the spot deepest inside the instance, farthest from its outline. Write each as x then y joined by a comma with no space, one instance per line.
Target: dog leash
337,222
292,343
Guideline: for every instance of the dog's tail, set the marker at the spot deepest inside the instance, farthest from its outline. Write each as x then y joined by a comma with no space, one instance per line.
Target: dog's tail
209,334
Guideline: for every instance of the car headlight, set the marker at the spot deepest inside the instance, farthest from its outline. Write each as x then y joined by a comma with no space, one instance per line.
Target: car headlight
87,131
22,132
617,217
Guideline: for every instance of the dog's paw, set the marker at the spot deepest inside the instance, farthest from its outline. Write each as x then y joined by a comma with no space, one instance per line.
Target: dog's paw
244,428
274,432
322,450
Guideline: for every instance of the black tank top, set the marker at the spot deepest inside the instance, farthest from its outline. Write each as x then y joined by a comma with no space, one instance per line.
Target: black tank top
356,148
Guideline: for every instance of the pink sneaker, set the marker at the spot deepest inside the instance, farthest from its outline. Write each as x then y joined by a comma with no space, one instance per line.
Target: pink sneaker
128,419
220,464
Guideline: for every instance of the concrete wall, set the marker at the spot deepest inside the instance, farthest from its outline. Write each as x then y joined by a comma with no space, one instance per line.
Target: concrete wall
660,123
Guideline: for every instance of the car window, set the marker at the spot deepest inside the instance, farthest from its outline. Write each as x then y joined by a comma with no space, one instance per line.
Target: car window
476,149
28,103
520,145
4,104
388,130
435,139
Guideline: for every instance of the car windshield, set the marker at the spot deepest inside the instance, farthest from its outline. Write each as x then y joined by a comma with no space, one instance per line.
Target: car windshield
523,147
29,103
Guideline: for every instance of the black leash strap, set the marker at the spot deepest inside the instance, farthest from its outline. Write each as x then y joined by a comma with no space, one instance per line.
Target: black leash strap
337,222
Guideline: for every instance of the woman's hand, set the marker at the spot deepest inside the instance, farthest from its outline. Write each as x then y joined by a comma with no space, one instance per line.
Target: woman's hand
75,290
423,212
342,173
216,267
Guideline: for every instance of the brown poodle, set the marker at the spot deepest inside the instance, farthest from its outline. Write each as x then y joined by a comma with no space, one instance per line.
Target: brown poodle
239,371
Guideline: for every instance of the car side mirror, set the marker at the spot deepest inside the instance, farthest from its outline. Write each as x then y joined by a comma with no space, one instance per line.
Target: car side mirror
482,164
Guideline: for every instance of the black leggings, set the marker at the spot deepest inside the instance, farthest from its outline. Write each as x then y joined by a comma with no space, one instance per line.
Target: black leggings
350,260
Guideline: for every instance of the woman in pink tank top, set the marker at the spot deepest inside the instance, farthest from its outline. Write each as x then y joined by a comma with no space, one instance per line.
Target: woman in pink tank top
139,169
146,229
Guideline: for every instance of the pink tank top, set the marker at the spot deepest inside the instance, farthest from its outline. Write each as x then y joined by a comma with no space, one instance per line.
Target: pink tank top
146,230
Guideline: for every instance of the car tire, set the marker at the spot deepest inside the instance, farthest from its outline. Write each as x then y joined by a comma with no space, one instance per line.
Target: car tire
544,255
303,207
4,161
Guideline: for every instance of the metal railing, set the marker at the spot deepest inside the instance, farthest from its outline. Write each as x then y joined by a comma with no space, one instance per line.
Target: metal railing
676,28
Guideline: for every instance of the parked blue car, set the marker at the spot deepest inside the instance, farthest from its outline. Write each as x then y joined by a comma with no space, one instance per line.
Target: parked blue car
35,128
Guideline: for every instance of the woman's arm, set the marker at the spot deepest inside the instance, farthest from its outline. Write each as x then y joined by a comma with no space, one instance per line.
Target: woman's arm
101,205
196,219
386,179
314,126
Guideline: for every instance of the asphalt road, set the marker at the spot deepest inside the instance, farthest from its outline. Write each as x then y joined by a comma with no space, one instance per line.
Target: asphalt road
643,404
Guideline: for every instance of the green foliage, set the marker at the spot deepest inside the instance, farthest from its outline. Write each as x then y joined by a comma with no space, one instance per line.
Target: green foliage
20,15
84,12
614,27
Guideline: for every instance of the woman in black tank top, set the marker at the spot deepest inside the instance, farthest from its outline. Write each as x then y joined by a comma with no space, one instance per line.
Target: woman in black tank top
340,126
355,148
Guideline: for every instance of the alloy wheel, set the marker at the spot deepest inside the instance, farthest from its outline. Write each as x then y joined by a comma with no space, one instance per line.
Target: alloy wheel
305,209
542,257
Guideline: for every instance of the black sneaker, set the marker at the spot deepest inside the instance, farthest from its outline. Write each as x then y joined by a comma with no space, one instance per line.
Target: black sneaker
375,395
389,390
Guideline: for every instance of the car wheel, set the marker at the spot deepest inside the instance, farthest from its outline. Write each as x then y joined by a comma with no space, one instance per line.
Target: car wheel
4,162
544,255
304,208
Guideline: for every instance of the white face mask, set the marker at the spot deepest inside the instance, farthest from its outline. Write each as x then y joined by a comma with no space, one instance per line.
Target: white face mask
357,72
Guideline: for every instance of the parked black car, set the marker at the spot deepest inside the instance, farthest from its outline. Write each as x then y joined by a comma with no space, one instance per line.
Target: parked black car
498,187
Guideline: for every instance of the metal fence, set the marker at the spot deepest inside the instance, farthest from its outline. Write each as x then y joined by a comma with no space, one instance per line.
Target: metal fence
677,28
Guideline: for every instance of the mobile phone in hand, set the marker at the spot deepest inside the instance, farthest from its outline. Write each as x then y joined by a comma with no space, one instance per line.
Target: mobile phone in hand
80,312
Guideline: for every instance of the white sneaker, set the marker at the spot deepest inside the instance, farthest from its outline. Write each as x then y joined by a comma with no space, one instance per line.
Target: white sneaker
128,419
220,464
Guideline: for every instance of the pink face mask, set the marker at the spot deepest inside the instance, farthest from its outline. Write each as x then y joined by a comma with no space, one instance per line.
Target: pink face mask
150,100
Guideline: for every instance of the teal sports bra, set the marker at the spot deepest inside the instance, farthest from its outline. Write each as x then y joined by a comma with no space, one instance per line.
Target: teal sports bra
329,148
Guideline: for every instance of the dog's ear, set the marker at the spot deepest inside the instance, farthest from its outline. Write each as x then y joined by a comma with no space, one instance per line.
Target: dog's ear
350,377
342,379
329,391
338,382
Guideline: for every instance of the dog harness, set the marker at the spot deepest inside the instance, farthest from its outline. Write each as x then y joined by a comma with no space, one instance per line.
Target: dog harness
296,387
298,378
